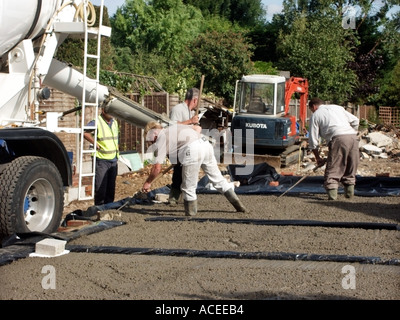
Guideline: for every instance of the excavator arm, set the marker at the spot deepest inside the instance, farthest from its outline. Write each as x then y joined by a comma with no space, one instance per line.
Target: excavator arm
297,85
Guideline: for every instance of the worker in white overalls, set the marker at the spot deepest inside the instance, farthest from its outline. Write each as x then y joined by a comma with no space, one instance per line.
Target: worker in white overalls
194,151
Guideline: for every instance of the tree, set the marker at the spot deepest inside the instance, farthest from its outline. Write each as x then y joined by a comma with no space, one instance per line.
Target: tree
389,94
389,74
223,57
365,39
366,66
159,26
319,50
264,39
372,60
246,13
172,42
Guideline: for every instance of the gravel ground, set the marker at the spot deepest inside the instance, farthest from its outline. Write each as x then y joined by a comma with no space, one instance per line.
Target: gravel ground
147,258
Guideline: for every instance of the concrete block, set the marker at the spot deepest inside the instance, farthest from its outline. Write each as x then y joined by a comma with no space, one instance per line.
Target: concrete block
50,247
371,149
379,139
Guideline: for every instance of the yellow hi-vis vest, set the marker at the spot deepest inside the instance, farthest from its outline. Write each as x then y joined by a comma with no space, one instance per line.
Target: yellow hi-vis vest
107,139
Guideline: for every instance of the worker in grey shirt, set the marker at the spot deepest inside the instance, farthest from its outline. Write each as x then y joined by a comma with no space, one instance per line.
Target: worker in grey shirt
194,151
183,113
339,129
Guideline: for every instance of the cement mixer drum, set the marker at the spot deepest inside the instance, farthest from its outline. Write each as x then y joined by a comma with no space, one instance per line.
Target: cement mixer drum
21,19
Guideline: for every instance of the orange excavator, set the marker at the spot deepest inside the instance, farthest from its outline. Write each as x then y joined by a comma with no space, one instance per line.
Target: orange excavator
263,123
299,86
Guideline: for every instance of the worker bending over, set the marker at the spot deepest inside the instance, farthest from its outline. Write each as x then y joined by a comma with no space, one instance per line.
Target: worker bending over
183,113
339,129
186,144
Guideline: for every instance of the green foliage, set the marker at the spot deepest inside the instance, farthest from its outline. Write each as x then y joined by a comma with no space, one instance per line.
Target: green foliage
161,27
220,24
176,41
264,39
121,82
72,50
388,78
172,42
262,67
373,116
154,35
124,60
370,48
246,13
223,57
319,50
389,94
363,124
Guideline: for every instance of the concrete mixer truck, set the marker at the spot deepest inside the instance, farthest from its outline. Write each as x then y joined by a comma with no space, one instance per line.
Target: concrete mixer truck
35,168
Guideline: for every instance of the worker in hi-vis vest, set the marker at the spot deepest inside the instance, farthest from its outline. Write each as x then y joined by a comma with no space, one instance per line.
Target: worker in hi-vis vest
107,153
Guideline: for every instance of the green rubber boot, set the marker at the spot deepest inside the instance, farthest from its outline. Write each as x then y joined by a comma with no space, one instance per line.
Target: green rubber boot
190,207
234,200
332,194
349,191
174,195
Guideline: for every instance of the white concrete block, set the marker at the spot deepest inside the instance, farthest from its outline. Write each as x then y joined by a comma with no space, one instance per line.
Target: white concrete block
50,247
379,139
371,149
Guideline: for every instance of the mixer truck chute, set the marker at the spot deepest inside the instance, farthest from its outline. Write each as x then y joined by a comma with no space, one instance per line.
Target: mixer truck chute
35,167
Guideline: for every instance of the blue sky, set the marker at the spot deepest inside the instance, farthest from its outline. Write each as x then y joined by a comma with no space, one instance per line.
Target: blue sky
273,6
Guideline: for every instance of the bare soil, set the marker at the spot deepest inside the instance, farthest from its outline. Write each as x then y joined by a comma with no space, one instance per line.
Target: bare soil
197,273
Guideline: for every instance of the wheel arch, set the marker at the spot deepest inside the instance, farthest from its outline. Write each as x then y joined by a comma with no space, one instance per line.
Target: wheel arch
42,143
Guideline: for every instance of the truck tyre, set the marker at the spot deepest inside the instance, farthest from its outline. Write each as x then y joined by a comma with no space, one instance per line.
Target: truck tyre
31,196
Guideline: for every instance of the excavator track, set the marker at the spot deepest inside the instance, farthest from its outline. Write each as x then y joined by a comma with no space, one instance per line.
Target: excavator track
252,159
292,155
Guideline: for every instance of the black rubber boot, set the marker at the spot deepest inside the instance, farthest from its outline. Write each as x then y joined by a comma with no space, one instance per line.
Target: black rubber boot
234,200
190,207
174,195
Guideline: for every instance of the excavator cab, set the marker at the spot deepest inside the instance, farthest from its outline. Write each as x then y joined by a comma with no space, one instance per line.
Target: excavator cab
260,95
261,115
259,112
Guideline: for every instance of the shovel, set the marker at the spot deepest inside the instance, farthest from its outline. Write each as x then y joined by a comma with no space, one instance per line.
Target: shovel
302,178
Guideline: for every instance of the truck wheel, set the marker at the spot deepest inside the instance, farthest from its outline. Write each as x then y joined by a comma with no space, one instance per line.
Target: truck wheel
31,196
